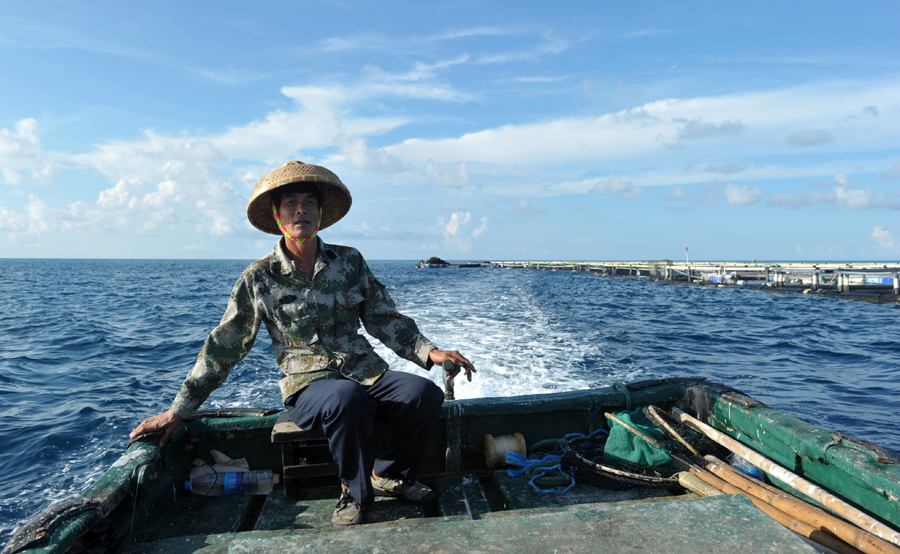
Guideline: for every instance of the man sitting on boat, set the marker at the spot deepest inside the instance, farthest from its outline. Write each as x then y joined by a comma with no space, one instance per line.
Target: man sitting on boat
311,296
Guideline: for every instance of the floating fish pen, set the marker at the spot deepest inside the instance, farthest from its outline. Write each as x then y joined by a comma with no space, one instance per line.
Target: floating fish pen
611,269
873,282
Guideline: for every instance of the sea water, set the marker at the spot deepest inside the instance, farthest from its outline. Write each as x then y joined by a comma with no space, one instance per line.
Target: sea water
91,348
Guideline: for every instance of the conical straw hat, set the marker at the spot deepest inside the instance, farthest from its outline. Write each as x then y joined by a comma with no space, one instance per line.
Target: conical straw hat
336,198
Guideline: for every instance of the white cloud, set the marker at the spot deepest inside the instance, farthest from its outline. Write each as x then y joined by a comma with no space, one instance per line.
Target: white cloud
189,183
11,176
741,195
346,44
647,33
317,120
784,199
708,195
859,199
726,168
323,117
182,182
796,201
374,231
533,79
420,71
231,76
525,207
378,41
151,158
481,228
419,91
883,238
755,124
22,144
474,32
621,188
697,128
894,173
38,218
165,190
810,137
20,150
842,195
160,182
447,175
677,194
456,230
357,154
552,45
457,221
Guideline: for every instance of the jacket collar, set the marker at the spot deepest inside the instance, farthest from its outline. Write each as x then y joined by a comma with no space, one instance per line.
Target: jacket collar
280,262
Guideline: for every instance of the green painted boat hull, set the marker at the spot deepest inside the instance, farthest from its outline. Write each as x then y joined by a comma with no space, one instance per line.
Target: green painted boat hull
142,493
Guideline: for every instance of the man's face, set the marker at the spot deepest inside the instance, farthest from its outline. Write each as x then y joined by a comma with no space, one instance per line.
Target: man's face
299,212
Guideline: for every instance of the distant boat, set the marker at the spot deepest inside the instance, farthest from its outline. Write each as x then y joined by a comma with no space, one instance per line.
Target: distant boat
432,262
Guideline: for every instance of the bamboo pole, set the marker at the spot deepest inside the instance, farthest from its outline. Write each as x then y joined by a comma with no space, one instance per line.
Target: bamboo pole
792,523
854,515
803,511
695,484
667,427
631,428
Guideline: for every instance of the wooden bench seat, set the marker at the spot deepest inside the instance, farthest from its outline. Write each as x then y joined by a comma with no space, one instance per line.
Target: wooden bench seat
304,455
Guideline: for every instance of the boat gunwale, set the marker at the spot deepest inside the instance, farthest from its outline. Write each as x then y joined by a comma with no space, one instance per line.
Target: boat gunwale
722,405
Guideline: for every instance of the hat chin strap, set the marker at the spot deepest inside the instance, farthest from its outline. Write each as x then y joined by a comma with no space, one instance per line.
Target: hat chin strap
300,240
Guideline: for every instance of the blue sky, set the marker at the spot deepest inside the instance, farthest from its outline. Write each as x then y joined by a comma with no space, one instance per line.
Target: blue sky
467,130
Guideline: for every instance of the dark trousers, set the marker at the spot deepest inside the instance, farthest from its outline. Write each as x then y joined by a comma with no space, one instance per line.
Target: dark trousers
344,411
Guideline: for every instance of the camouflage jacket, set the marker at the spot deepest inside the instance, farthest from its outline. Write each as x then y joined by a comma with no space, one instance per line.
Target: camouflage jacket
313,323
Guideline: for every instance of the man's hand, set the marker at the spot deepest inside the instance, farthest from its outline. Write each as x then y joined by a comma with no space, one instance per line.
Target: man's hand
459,362
166,422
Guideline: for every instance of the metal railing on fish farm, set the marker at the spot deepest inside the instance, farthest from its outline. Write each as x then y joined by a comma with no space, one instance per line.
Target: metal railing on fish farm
874,282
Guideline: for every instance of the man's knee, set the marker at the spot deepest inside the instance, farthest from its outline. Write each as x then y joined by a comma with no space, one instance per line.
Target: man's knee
429,398
433,395
420,390
348,399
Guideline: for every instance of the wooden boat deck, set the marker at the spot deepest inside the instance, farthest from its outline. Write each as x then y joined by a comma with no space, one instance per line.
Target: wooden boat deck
142,494
723,524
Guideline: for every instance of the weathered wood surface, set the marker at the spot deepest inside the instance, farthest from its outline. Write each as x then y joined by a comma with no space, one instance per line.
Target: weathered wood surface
724,524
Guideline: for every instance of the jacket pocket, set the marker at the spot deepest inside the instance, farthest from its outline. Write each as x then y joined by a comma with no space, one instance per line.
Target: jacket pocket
347,306
295,320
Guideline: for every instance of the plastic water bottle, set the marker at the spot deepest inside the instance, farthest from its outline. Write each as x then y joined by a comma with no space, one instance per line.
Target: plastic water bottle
239,482
744,466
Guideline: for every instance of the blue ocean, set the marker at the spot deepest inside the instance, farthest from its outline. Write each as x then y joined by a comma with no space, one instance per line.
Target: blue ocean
92,347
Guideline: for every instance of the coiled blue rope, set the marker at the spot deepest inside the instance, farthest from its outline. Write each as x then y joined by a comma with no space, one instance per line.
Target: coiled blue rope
515,459
539,467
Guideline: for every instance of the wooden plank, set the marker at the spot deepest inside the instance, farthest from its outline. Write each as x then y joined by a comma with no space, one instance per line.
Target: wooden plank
203,515
719,525
286,430
309,470
313,509
449,491
518,494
